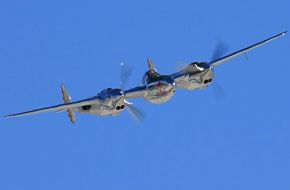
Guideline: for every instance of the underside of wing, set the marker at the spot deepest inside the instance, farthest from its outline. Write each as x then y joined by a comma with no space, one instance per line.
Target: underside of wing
221,60
57,108
179,76
135,92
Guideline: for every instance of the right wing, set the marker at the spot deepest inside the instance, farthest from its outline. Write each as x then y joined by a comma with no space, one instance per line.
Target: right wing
57,108
221,60
180,75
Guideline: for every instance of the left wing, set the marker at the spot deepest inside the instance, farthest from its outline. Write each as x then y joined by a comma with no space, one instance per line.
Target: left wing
221,60
57,108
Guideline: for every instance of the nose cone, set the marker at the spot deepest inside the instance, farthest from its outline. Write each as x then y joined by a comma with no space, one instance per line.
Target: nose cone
162,91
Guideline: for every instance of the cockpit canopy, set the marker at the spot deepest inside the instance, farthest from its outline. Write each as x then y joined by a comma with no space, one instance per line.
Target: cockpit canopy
111,93
150,76
104,92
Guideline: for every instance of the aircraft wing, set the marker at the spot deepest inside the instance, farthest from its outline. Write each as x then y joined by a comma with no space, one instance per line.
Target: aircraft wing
221,60
57,108
179,76
135,92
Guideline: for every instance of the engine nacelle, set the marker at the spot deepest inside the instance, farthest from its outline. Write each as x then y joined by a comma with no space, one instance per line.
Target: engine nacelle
198,77
110,102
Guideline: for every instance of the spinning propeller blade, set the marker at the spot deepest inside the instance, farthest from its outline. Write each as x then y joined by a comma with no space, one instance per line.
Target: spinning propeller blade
126,72
137,114
218,90
220,50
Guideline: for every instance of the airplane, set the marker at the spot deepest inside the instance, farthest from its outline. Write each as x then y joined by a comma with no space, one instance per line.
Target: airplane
155,88
199,75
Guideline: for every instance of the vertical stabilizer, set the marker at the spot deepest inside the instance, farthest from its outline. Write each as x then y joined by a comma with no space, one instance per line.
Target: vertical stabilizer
67,99
151,65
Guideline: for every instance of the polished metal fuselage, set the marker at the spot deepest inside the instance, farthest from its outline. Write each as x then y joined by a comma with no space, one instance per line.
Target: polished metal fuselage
159,88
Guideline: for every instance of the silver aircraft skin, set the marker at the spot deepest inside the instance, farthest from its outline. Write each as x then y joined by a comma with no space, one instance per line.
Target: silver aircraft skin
199,75
108,102
155,88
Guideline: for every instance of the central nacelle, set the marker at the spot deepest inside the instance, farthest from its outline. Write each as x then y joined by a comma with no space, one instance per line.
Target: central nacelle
159,92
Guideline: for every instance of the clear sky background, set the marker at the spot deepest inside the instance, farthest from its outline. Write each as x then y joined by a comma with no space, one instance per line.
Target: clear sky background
194,141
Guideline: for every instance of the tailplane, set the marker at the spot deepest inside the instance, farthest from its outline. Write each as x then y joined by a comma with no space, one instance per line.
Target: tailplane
67,99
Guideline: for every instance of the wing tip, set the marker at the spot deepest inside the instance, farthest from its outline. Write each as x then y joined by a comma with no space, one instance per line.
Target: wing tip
7,116
279,35
11,116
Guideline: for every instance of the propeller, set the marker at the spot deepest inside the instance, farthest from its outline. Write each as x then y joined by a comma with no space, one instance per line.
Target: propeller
181,65
126,72
137,114
218,91
220,50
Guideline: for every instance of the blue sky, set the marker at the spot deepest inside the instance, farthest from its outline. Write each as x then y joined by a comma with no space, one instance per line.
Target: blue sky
195,141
